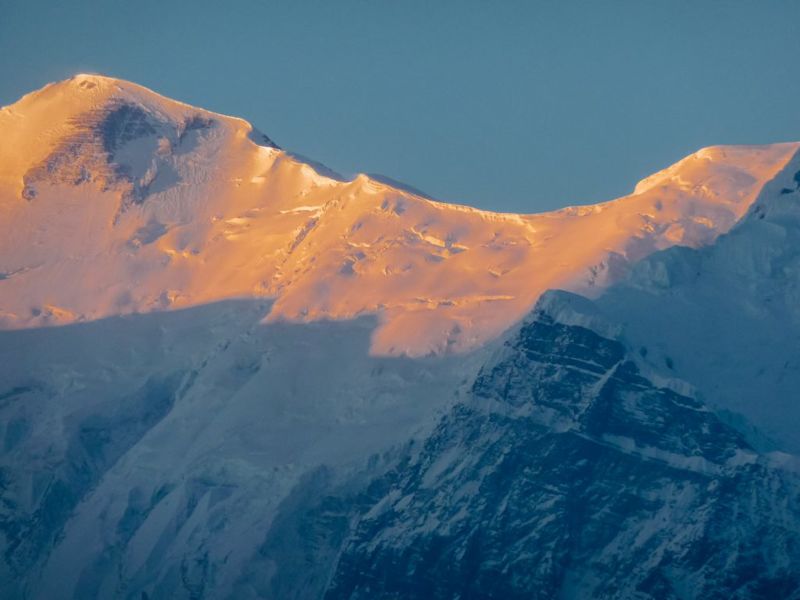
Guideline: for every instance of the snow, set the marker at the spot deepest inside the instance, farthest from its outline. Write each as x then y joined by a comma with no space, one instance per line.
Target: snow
725,318
245,411
196,332
237,217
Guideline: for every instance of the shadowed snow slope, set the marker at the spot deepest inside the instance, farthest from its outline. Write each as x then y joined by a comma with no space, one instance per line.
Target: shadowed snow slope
152,452
727,317
115,200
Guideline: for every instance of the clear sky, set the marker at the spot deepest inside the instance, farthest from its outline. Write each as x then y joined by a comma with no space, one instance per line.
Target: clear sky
518,106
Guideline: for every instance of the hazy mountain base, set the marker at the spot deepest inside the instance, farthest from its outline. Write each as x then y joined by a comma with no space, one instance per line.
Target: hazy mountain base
149,453
262,463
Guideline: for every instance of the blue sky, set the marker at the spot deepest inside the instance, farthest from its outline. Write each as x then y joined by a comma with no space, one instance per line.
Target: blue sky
517,106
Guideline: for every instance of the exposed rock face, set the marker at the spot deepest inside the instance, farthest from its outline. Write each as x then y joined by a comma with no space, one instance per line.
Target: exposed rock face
118,146
569,469
571,474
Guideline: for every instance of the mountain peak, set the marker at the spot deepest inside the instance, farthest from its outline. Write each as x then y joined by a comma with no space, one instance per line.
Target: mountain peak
93,128
724,172
86,90
95,87
119,200
89,81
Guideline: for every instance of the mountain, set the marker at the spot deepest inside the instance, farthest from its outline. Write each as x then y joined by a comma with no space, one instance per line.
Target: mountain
642,445
151,453
218,379
571,471
727,317
115,200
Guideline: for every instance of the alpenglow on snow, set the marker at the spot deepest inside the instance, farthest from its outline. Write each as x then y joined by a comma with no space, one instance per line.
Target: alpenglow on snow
227,372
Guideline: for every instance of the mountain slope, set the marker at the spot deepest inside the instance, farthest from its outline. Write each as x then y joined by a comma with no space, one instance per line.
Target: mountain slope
168,441
727,317
115,200
571,472
151,453
199,453
580,466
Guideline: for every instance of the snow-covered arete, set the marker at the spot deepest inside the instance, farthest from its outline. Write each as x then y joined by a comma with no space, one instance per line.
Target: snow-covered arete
115,200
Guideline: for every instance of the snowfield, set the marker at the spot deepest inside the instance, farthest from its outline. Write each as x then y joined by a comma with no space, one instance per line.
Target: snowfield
114,200
227,372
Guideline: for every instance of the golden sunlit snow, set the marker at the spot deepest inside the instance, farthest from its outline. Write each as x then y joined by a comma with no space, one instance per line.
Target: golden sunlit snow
199,207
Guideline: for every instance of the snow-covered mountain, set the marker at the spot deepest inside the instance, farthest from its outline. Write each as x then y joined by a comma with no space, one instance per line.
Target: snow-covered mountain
573,470
403,424
644,445
727,317
115,200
